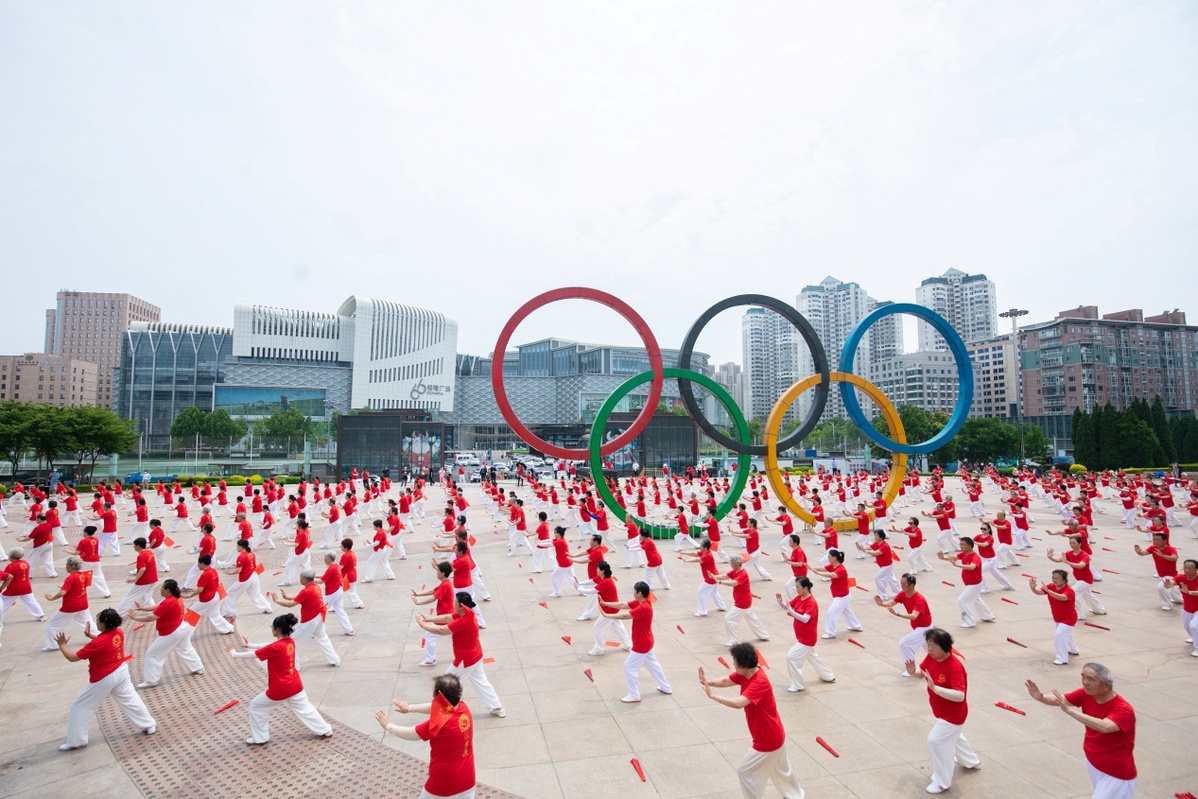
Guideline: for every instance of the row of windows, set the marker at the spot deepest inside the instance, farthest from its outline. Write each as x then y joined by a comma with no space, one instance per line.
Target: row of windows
293,354
410,372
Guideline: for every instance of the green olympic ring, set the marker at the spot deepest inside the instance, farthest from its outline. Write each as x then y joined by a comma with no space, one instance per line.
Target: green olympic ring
743,459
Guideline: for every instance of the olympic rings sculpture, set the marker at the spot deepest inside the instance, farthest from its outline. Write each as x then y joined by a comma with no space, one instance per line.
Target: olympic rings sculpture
742,444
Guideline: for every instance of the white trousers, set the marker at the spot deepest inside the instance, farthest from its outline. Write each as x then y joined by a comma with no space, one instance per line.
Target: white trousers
917,560
249,588
1063,642
969,598
482,686
990,567
397,547
89,699
332,535
1169,596
313,632
211,609
800,654
660,573
757,769
261,705
755,562
560,573
336,605
912,641
944,541
1189,622
43,557
708,591
538,557
603,624
136,594
376,560
1107,787
110,542
59,622
178,642
886,583
732,624
840,606
1084,594
1006,556
633,554
430,646
632,669
295,564
462,795
946,742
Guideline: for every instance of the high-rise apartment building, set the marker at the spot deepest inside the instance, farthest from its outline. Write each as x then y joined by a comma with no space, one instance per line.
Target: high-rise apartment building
927,379
52,379
730,377
834,308
772,362
1081,360
88,326
967,302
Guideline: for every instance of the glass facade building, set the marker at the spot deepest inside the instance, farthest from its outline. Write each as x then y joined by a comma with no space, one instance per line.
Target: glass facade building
166,368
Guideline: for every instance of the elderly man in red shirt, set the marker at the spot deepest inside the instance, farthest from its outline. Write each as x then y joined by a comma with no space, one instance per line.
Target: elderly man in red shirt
1110,723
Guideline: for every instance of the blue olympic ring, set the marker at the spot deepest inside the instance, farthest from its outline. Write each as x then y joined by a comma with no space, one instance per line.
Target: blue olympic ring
964,373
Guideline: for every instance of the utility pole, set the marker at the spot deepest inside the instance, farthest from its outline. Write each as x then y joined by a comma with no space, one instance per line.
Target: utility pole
1014,314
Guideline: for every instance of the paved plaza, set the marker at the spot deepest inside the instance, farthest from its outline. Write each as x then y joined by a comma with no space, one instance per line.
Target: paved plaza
568,736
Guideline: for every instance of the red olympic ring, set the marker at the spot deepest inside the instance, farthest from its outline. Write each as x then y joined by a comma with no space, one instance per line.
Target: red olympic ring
642,330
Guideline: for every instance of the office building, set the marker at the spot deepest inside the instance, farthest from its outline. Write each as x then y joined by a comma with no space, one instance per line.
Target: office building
729,376
995,378
52,379
967,302
1083,360
88,326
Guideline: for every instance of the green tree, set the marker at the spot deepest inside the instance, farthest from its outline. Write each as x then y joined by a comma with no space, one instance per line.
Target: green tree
1085,446
282,428
48,437
1189,441
15,420
1136,441
1036,446
757,430
1160,426
986,440
93,433
1107,431
220,428
188,424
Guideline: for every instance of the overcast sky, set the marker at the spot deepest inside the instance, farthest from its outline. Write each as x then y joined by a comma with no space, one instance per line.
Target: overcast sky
467,156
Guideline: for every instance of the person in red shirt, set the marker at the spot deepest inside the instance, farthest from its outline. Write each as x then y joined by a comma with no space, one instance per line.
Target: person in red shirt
916,611
804,610
970,599
41,536
334,596
108,532
633,556
709,589
450,733
310,600
742,602
206,591
300,558
1186,582
1110,722
607,592
1164,557
1062,603
563,561
796,558
378,553
462,625
947,689
752,539
349,573
985,543
641,655
944,540
879,549
842,600
88,550
915,542
766,760
1083,576
283,683
174,635
246,569
143,581
654,566
544,544
441,594
74,604
107,674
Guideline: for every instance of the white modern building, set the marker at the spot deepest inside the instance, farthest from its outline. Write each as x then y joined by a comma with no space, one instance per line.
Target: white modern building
995,378
968,302
771,350
927,379
398,356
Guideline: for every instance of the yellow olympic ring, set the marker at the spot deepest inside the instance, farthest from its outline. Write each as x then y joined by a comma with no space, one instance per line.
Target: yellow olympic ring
773,425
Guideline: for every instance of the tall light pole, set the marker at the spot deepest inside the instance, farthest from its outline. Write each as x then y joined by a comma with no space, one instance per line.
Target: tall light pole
1014,315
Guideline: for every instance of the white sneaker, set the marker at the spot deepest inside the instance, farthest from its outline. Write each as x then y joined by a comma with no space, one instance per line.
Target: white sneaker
595,651
147,685
629,700
68,747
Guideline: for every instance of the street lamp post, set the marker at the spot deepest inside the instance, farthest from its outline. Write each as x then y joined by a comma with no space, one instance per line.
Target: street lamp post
1014,314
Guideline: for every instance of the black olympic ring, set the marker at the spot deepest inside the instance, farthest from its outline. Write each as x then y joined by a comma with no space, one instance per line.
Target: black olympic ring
818,355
